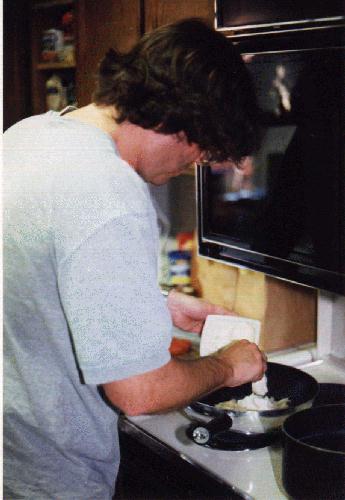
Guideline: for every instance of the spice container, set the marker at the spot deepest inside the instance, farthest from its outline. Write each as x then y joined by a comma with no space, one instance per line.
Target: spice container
179,267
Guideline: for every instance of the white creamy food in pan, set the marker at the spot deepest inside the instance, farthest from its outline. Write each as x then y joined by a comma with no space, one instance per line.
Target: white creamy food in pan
255,401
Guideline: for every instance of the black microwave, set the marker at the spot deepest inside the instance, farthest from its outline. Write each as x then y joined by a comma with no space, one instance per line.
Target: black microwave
284,214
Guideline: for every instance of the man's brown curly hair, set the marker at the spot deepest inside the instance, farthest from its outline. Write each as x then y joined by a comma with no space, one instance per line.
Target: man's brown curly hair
185,77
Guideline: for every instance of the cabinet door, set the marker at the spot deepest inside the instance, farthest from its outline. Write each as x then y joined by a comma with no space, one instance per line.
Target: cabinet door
159,12
102,24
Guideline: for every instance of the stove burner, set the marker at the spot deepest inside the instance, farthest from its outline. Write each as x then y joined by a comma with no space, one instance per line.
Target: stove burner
229,439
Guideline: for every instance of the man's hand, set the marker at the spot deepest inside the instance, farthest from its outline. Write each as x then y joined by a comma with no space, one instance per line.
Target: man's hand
189,313
243,362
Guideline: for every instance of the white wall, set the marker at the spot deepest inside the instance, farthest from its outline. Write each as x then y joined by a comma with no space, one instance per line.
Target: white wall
331,325
338,337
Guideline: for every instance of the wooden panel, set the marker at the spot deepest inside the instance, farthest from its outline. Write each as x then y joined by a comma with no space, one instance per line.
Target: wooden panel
214,282
159,12
101,25
290,318
251,294
287,311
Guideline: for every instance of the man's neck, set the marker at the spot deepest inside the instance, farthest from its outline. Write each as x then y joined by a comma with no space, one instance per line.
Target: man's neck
102,117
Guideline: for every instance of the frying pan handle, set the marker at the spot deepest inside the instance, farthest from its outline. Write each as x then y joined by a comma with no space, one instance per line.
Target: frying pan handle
203,432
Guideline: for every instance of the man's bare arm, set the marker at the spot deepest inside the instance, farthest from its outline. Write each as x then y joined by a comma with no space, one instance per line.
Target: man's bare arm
179,382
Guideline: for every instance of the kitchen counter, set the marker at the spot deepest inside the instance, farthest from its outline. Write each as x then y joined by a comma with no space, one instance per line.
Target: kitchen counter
254,474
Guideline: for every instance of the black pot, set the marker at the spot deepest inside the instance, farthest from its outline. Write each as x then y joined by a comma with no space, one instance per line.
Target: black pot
314,453
330,394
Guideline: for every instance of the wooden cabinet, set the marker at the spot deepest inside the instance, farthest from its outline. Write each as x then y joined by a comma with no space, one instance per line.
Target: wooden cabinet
159,12
48,15
97,27
103,24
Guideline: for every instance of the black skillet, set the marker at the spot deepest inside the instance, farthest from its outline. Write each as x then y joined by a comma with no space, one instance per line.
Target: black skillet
283,382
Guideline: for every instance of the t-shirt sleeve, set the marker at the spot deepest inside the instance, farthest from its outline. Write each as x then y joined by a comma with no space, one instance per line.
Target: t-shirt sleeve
118,319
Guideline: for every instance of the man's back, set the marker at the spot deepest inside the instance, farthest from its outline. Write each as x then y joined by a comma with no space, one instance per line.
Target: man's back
59,208
43,418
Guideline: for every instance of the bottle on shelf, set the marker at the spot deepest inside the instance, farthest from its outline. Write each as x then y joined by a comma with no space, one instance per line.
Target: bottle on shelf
56,98
52,44
67,54
58,42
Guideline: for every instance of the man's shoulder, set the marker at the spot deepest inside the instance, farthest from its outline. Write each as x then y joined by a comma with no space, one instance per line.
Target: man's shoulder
56,134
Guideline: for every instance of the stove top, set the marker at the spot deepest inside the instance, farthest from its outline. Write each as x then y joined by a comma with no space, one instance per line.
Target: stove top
254,474
216,432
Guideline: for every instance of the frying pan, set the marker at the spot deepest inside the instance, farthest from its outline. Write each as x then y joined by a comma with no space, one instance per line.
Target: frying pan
282,381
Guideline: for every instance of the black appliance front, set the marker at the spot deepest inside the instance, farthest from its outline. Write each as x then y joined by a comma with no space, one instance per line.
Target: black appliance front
259,16
284,213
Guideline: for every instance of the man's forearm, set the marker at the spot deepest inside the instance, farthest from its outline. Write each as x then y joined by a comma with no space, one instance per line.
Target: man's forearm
177,383
172,386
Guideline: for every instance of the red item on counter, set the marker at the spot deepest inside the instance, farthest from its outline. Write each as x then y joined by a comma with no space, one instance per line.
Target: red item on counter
179,346
184,241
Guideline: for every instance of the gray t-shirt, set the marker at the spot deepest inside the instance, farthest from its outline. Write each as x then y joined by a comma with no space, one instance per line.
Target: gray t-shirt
82,306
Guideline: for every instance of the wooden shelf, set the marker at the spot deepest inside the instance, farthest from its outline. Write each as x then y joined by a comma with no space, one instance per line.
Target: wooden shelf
51,3
54,65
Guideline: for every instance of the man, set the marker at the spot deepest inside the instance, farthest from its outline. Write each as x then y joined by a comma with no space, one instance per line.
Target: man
83,313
